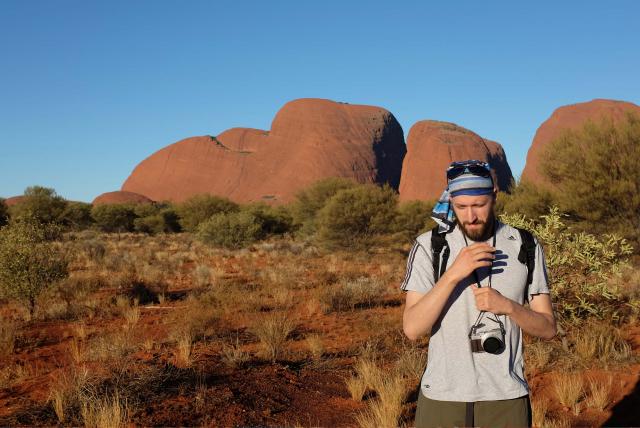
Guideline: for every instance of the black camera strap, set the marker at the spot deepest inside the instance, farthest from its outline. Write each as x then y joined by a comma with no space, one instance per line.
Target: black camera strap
477,278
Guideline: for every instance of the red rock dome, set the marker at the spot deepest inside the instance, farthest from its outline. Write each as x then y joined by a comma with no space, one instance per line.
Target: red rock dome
14,200
120,197
574,117
310,139
432,146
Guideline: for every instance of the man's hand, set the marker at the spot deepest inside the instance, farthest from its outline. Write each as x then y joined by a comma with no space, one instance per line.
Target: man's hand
471,258
490,300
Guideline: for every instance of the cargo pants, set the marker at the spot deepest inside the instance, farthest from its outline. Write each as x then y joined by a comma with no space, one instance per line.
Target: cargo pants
502,413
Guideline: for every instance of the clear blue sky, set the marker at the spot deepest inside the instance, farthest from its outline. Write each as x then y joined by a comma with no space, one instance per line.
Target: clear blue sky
90,88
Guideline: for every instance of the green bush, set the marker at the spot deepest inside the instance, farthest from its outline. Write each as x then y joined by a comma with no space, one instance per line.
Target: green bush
156,218
4,213
413,218
29,263
525,198
200,208
595,176
231,230
77,216
311,200
114,217
583,269
352,217
40,203
273,220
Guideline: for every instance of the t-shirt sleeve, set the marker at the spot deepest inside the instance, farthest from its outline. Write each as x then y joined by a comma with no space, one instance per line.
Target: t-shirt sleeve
540,280
419,274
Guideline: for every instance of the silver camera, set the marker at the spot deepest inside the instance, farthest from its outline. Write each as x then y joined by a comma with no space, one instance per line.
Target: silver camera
491,341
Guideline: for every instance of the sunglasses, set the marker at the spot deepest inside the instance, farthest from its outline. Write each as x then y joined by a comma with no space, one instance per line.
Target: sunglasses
478,168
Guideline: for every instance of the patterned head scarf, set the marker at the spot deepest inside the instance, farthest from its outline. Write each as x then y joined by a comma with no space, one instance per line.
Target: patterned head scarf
470,177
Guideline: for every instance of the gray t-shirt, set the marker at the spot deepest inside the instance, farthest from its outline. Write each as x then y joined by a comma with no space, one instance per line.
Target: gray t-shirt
453,372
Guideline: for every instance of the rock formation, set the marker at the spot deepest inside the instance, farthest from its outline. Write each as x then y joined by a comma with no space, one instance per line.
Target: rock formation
14,200
310,139
121,197
574,117
432,146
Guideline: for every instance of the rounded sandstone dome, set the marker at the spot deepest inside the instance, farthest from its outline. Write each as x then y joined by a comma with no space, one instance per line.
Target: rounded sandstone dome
310,139
121,197
432,145
571,117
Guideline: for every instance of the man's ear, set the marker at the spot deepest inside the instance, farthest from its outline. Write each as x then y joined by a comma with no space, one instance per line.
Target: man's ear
495,193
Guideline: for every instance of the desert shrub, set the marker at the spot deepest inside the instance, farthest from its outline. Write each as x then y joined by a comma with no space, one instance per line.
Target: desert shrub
4,213
231,230
526,198
595,175
353,216
41,203
114,217
582,269
200,208
311,200
273,220
156,218
76,215
413,218
29,263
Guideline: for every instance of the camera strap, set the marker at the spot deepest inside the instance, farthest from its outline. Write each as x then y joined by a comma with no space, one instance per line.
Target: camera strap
477,278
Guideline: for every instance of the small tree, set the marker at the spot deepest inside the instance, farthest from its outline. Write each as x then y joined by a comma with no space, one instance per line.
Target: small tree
353,216
595,175
4,213
114,217
311,200
200,208
40,203
29,263
231,230
413,218
77,215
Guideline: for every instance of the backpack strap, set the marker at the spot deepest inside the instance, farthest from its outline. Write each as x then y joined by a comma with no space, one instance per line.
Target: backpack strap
438,243
527,256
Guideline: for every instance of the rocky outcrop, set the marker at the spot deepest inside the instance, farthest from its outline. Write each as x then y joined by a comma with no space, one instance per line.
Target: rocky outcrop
309,139
121,197
572,117
432,146
14,200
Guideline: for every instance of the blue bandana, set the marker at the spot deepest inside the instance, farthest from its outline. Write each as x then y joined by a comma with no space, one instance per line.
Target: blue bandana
465,184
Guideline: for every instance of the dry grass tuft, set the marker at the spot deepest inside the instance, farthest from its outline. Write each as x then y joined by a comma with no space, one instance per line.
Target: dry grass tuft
315,346
272,330
537,355
233,355
104,412
347,295
387,408
599,393
66,391
8,333
569,388
184,350
539,408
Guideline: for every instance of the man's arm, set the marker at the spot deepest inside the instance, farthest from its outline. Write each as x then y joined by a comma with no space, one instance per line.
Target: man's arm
537,320
423,309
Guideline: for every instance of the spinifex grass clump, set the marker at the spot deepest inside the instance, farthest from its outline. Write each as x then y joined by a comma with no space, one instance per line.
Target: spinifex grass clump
582,269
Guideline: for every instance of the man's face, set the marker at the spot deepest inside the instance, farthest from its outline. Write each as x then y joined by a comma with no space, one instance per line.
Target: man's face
474,215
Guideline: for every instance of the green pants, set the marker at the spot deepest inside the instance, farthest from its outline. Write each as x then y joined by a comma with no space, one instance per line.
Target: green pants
487,414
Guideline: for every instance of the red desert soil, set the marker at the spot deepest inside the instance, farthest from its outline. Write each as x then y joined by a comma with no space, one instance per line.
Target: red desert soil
310,139
570,117
260,393
432,146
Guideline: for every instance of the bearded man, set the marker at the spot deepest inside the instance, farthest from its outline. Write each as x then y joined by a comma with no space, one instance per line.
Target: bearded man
466,284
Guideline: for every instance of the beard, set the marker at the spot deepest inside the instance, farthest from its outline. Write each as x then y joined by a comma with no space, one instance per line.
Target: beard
478,234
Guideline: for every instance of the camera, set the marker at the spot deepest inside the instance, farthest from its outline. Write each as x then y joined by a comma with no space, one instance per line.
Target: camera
491,341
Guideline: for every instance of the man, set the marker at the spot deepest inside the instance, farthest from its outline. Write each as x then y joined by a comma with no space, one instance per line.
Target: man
474,310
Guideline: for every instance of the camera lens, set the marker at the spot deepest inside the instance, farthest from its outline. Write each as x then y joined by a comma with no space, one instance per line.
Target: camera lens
492,345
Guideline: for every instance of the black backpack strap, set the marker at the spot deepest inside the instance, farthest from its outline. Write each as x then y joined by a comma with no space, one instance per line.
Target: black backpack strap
527,256
438,243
